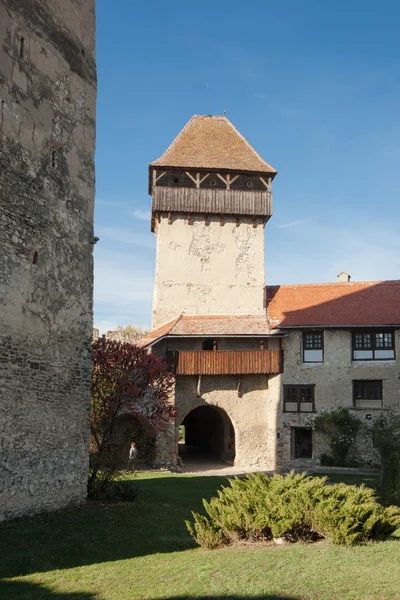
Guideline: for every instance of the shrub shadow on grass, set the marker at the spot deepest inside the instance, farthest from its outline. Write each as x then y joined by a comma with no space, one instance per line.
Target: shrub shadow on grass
24,590
263,597
95,533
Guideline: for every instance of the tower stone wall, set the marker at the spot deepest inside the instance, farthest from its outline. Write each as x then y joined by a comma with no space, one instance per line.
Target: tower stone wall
204,267
47,142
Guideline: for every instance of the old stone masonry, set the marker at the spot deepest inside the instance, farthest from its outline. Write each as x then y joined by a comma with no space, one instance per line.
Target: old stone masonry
47,139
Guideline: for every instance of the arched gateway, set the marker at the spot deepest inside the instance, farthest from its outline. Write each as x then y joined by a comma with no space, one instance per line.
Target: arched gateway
208,433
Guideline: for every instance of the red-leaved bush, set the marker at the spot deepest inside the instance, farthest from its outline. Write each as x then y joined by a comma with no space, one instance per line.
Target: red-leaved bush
126,379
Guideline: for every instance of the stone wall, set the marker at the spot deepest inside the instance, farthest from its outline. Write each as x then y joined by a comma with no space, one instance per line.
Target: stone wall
124,337
252,409
334,388
252,412
262,430
47,133
208,268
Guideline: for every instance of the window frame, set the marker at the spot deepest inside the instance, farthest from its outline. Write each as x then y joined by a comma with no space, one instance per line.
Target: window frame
297,387
373,333
366,382
304,348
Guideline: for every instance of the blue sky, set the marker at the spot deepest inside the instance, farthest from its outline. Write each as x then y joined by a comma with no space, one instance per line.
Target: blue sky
315,88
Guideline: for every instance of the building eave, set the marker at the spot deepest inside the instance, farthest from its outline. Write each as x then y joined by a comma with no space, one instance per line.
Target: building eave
386,326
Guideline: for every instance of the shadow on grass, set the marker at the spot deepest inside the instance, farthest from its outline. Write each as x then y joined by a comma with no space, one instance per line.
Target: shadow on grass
263,597
155,523
23,590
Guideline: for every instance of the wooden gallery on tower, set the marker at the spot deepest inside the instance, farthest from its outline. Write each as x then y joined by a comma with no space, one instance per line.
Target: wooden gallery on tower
254,362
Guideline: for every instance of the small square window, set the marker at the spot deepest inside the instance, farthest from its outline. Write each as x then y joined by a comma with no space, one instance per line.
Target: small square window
298,398
367,393
313,346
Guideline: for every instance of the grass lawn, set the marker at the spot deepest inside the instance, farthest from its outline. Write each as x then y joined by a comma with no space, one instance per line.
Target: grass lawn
142,550
350,479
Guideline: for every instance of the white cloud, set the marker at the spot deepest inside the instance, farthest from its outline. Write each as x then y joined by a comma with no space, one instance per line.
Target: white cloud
112,203
123,287
126,236
104,325
295,223
143,215
319,251
120,279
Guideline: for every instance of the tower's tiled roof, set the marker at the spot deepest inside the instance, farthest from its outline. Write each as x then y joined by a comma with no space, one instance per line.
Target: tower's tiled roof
353,304
208,142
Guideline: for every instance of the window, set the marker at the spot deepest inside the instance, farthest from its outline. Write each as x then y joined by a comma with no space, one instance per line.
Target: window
313,346
373,345
301,443
367,393
298,398
209,344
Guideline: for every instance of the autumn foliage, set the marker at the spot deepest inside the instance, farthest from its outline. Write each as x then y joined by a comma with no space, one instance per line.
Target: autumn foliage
126,380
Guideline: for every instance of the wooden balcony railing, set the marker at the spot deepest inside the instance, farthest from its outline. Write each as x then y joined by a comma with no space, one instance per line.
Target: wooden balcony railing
212,201
226,362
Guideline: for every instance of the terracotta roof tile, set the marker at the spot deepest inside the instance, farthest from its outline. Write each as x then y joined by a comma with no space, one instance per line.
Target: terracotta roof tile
156,334
210,325
335,304
209,142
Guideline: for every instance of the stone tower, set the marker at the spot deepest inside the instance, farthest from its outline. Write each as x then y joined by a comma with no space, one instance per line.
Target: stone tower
47,140
211,200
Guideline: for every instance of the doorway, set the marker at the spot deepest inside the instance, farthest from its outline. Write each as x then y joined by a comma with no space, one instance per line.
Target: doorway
301,443
207,434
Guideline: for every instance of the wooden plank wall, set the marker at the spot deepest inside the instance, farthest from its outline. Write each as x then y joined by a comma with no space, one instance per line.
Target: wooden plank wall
212,201
226,362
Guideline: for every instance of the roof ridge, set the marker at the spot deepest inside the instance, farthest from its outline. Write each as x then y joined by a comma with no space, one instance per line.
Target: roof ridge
218,316
336,283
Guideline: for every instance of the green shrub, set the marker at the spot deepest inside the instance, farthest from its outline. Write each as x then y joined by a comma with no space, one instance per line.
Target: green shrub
109,487
349,514
341,428
294,507
385,435
122,490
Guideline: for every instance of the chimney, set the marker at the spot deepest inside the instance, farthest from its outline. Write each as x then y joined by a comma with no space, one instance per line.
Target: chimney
344,277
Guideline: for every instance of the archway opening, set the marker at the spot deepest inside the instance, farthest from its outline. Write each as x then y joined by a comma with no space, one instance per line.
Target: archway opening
207,434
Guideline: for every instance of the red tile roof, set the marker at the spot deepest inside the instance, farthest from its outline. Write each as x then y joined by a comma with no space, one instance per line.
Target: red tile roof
208,142
335,304
210,325
157,334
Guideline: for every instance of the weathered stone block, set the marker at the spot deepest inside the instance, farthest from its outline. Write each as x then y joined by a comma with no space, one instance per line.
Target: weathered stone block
46,267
